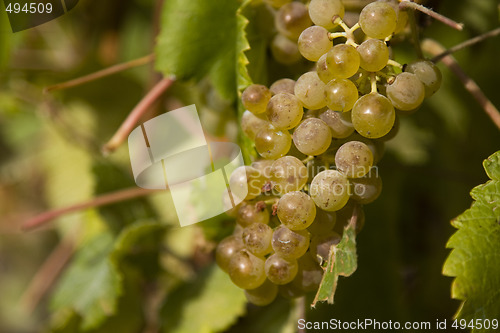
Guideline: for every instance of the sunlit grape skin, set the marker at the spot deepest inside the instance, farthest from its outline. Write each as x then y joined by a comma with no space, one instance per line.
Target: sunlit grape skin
373,115
314,42
280,270
407,92
354,159
288,174
341,94
342,61
378,20
272,143
255,98
284,111
246,183
252,124
290,244
263,295
282,86
310,90
374,55
323,11
330,190
322,69
296,210
340,123
250,213
291,19
428,73
312,137
246,270
257,238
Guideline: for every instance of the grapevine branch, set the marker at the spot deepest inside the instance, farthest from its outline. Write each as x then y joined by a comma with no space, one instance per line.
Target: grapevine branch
470,85
133,118
100,74
415,6
99,201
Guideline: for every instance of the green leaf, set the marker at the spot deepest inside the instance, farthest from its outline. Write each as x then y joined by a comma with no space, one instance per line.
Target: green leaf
341,262
198,38
210,304
475,258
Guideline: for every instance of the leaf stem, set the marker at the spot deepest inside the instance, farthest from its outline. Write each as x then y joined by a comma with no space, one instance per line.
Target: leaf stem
470,85
100,74
106,199
135,115
415,6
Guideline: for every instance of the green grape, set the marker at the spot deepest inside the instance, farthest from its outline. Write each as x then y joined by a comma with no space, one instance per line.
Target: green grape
373,115
284,111
312,137
340,123
323,223
341,94
246,183
272,143
406,93
378,20
225,251
322,12
257,238
288,174
264,167
249,214
284,50
296,210
277,3
373,54
292,19
320,245
342,61
322,69
309,275
255,98
310,90
280,270
330,190
263,295
283,86
428,73
354,159
290,244
314,42
246,270
402,17
251,124
392,133
376,146
366,189
344,217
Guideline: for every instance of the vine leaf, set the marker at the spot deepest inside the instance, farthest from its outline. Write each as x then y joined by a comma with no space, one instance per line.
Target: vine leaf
342,261
475,258
211,303
198,38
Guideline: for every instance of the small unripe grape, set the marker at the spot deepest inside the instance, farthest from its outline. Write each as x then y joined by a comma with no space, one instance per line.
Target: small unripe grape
407,92
251,124
330,190
428,73
373,115
263,295
246,270
314,42
283,86
284,111
343,61
340,123
310,90
354,159
341,94
249,214
272,143
255,98
288,174
323,222
284,50
322,69
373,54
321,244
290,244
225,251
280,270
312,137
296,210
322,12
257,238
378,20
292,19
366,189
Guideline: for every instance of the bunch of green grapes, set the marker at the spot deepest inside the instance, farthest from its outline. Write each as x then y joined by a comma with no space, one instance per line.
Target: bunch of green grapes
320,138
